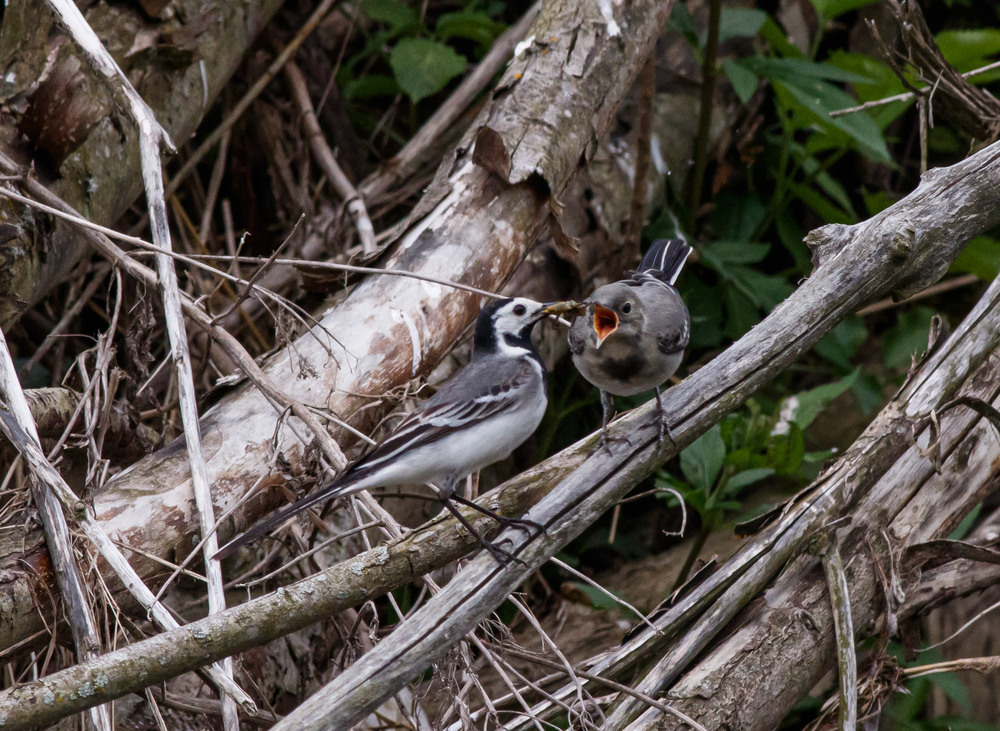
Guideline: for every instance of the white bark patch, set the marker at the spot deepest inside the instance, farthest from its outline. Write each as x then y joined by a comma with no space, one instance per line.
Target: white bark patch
609,17
411,327
523,46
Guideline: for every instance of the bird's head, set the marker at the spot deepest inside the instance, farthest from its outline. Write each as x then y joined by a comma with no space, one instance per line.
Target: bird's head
512,320
613,309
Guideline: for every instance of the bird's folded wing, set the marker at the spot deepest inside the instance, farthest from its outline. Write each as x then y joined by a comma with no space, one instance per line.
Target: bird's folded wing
440,417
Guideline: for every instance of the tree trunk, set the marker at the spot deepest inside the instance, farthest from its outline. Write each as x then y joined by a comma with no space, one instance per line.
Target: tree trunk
54,113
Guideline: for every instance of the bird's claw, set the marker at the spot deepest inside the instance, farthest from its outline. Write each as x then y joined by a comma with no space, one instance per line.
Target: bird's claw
532,528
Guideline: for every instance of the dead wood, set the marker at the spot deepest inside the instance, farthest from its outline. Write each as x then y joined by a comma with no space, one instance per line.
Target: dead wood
861,263
902,248
90,159
908,491
471,228
124,438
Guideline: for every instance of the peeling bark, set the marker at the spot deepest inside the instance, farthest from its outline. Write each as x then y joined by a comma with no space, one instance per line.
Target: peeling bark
471,227
55,114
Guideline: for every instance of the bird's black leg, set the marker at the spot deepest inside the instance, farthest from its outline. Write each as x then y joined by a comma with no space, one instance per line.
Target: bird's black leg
520,523
664,426
608,409
503,557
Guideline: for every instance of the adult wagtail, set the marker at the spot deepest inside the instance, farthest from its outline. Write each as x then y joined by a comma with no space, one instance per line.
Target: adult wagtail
633,333
478,417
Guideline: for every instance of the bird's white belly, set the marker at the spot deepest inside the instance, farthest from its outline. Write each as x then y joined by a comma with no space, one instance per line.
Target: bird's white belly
464,452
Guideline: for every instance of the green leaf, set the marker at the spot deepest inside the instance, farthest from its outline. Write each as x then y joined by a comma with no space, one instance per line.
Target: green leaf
908,338
803,408
883,83
369,86
798,71
786,455
776,38
423,67
816,172
740,23
472,24
827,209
736,252
702,460
744,80
681,21
868,393
817,98
706,313
981,256
963,528
791,235
741,313
832,8
840,344
764,290
395,14
736,217
969,49
747,477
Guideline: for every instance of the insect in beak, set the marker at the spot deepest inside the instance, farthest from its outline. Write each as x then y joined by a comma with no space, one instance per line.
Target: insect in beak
605,323
555,309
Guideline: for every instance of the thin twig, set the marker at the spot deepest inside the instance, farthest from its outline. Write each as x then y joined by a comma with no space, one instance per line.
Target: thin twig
624,689
100,272
643,137
326,160
907,95
948,285
252,93
344,268
151,138
18,426
847,662
93,531
214,185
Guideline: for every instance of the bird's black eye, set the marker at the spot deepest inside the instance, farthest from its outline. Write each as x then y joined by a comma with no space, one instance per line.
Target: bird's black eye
626,308
520,310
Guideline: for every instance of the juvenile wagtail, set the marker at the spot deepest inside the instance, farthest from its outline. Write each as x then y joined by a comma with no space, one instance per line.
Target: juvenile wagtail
633,333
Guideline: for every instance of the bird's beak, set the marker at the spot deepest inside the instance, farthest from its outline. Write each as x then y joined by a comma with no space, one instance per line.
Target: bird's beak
605,323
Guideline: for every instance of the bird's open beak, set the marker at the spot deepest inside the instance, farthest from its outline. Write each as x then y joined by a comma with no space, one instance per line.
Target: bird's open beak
605,323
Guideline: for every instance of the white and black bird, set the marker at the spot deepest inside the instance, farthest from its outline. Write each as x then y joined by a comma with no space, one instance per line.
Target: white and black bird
633,333
476,418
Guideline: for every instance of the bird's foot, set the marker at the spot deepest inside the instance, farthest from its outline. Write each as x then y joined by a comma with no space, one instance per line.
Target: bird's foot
532,528
603,441
502,556
665,431
662,419
528,526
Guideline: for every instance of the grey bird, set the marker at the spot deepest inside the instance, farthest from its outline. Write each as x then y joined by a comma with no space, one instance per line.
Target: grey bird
633,333
476,418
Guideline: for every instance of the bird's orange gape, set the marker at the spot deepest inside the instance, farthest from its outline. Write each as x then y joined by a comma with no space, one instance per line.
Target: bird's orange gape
605,323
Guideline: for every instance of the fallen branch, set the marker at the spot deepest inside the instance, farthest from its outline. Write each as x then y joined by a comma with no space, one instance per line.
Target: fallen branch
17,426
100,156
471,228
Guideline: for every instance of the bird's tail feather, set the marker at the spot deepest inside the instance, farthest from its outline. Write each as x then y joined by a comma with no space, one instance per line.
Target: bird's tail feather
336,488
667,257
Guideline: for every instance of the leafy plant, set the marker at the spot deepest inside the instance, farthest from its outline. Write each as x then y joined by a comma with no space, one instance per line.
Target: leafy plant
743,449
421,55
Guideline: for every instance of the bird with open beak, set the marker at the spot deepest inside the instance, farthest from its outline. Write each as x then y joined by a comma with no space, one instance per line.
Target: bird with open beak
632,335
